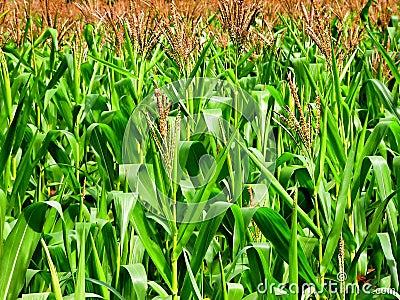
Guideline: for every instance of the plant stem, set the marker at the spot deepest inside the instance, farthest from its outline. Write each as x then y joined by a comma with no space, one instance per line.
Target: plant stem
174,188
174,258
174,267
293,256
320,252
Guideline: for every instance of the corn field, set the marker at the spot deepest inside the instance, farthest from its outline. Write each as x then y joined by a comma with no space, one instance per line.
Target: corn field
217,149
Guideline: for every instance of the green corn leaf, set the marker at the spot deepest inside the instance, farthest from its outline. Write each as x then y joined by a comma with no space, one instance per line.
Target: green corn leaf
275,229
373,229
109,234
99,143
36,296
391,261
55,283
82,230
207,232
3,207
384,53
382,174
235,291
239,235
186,229
49,32
384,95
16,129
281,190
153,249
18,249
200,60
107,286
191,276
364,12
158,289
98,269
124,203
334,235
138,278
113,66
5,85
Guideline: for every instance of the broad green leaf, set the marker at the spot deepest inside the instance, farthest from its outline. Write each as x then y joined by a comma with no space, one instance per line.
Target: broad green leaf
384,95
235,291
158,289
201,59
3,207
191,276
108,232
275,229
112,66
382,174
391,261
55,283
18,249
124,203
5,85
15,129
239,235
49,32
36,296
368,149
384,53
365,11
98,269
373,229
252,296
141,225
281,190
207,232
106,285
344,193
27,164
138,278
201,196
73,296
82,230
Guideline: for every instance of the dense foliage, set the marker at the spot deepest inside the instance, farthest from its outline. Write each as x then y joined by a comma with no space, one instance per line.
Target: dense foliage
324,77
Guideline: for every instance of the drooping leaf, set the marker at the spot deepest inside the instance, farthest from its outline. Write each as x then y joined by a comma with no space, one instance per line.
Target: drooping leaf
138,278
18,249
276,230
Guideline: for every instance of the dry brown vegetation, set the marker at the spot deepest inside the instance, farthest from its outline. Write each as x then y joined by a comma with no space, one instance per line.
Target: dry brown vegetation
143,18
